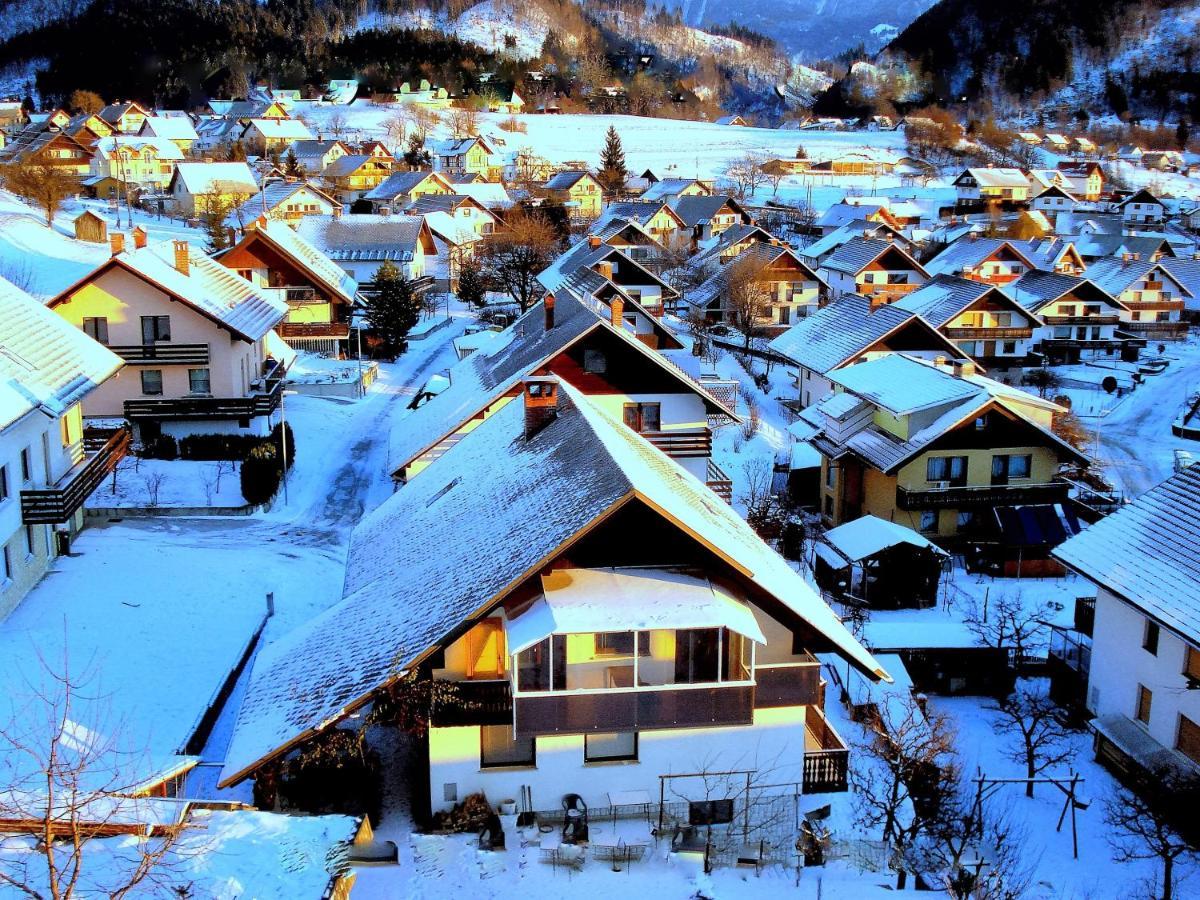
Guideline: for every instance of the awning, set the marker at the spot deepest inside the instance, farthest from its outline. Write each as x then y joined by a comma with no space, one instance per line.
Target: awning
581,601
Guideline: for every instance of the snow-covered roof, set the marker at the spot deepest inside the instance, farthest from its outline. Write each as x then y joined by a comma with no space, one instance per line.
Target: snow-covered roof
581,601
399,183
1187,273
1035,289
998,177
270,197
757,257
174,128
668,188
345,166
865,536
414,577
308,257
1114,276
364,238
943,297
1148,553
902,385
564,181
969,253
216,177
162,147
858,253
696,209
281,129
490,194
45,361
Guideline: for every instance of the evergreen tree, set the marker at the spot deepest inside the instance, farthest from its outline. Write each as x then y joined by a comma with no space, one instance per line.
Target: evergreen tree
416,155
612,172
1183,134
393,309
291,165
214,209
471,287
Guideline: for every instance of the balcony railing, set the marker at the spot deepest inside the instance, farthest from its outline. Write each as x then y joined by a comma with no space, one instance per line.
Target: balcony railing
719,483
681,444
787,684
261,402
1158,329
984,333
634,710
981,495
53,506
826,762
1155,305
474,703
162,354
1105,319
313,330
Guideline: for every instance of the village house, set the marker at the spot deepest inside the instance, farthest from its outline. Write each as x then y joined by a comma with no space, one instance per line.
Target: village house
315,157
1054,199
283,201
40,145
593,267
196,340
467,156
731,242
125,118
702,608
670,189
1142,208
848,331
320,296
631,239
786,290
1145,636
125,162
1078,318
360,244
578,191
88,128
1053,254
990,260
932,446
707,216
1163,160
267,136
1084,179
47,470
656,216
985,323
199,187
992,185
401,189
878,269
463,209
179,130
1152,297
859,214
852,162
350,178
823,247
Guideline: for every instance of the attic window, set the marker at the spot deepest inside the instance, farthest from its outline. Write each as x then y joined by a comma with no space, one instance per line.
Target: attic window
594,362
442,492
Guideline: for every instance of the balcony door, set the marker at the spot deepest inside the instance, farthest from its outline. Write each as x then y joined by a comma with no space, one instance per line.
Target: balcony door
485,650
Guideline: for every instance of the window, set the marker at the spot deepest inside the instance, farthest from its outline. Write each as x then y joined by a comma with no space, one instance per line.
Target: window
1187,741
498,747
612,746
964,519
1144,698
30,547
1008,466
981,422
3,482
1150,638
96,327
643,417
594,362
1191,663
613,643
198,381
1066,309
929,520
830,475
26,465
152,384
1010,348
7,564
156,329
947,468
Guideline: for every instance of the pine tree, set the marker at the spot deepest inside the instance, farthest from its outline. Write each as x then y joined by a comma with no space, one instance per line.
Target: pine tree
393,309
291,165
612,172
1183,134
214,210
471,287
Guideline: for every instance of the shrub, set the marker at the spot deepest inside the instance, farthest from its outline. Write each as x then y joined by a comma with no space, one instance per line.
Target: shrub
277,442
206,447
261,473
162,447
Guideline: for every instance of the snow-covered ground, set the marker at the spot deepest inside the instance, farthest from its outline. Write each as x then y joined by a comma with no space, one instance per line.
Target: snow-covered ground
147,483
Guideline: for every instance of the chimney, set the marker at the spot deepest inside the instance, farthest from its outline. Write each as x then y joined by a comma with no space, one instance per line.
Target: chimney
385,211
963,368
594,241
1137,257
1126,258
116,241
618,312
337,211
181,257
605,269
548,306
541,402
939,361
139,238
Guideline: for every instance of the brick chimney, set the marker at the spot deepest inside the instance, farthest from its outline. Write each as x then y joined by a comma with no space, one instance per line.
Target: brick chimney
548,307
963,368
139,237
181,257
540,393
618,312
594,241
605,269
116,241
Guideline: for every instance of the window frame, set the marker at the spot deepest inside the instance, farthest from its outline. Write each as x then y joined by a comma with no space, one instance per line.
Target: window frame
588,759
506,764
1143,704
158,334
1150,635
157,372
99,328
192,375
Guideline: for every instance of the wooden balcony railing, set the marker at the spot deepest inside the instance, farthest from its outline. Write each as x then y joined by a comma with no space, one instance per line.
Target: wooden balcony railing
313,330
981,495
634,710
1105,319
787,684
984,333
681,444
260,403
1157,329
162,354
53,506
474,703
719,483
826,765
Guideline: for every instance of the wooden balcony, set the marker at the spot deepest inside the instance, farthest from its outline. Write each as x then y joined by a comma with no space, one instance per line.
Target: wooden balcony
1082,320
826,758
1156,305
474,703
634,710
261,402
1156,329
787,684
981,495
162,354
719,483
55,505
988,334
682,444
300,330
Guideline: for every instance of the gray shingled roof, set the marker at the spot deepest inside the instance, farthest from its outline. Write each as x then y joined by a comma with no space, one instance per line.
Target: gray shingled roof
696,210
1036,288
1148,553
1117,275
968,253
363,238
759,254
856,254
413,576
945,296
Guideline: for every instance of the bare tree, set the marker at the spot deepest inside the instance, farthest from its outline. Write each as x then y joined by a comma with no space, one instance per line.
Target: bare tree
153,482
514,257
397,129
1006,623
747,297
424,120
763,507
464,122
337,125
65,774
747,173
44,186
1155,819
1041,738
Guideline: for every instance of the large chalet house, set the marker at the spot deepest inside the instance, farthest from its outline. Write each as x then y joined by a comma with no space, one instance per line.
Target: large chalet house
49,146
125,117
848,331
199,187
706,216
320,296
1142,208
584,662
605,349
283,201
1154,298
879,269
985,323
933,446
127,162
401,189
179,130
360,244
47,470
990,260
461,158
196,338
992,185
1078,317
656,216
593,266
784,290
578,191
1144,669
351,178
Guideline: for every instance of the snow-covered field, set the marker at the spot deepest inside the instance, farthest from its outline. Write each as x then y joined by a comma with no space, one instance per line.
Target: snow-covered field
148,483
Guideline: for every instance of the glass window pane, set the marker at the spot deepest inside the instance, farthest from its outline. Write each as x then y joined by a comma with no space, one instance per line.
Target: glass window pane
656,657
607,746
734,668
533,667
497,747
697,655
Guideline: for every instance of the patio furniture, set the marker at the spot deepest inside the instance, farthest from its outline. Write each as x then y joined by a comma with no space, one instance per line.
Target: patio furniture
627,799
491,836
575,819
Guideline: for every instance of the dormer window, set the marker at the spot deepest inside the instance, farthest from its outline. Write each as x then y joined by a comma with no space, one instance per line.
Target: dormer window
595,362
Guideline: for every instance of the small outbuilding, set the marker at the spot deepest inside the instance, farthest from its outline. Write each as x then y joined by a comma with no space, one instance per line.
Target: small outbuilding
91,227
881,564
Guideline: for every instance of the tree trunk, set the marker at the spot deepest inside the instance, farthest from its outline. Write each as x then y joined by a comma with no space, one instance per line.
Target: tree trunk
1031,770
1168,872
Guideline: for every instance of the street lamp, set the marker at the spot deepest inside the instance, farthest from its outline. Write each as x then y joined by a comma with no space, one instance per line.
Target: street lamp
283,432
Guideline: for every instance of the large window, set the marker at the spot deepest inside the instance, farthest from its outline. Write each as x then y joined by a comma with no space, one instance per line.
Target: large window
1145,697
152,382
199,381
613,746
156,329
643,417
1009,466
498,748
947,468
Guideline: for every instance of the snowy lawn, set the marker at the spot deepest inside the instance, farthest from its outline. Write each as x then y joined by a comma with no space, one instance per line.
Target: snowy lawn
151,483
312,368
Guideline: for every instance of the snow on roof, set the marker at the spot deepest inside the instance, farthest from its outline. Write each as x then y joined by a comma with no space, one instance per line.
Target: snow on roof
282,129
696,209
858,253
902,385
175,128
564,181
45,361
491,194
270,197
582,601
667,188
1036,288
866,536
998,177
309,257
758,256
401,183
1148,552
413,578
970,252
448,228
1187,273
364,237
944,297
216,177
163,148
348,165
1115,276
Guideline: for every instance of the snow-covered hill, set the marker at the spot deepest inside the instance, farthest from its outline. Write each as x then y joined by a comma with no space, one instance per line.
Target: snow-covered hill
513,29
